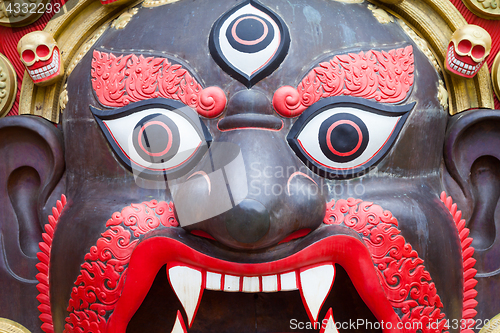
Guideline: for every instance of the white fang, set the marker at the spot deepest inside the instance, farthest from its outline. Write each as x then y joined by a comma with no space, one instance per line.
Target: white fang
186,283
315,284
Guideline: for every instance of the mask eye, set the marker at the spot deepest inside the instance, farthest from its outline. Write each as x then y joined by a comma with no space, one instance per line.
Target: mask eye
342,137
155,138
249,42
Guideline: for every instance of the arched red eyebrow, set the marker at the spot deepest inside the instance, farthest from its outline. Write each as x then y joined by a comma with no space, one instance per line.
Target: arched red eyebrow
118,81
384,76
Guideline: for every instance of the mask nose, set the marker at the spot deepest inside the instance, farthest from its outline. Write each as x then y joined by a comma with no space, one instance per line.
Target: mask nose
249,108
248,222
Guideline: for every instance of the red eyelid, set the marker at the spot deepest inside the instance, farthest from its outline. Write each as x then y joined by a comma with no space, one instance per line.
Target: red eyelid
209,102
329,79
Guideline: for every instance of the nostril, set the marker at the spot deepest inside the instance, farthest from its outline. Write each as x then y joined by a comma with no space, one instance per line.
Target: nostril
248,222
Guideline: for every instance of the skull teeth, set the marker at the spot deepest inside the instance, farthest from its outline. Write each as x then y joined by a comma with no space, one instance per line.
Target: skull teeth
46,71
188,284
460,66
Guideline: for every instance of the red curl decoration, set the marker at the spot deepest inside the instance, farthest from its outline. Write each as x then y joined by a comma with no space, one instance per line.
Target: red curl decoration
402,273
102,275
386,77
118,81
211,102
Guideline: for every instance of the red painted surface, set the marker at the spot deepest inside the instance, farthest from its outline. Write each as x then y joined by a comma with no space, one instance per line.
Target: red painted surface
118,81
386,77
469,302
101,279
406,282
44,265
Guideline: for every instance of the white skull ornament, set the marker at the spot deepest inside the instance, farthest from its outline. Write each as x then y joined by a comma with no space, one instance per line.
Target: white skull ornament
467,51
41,57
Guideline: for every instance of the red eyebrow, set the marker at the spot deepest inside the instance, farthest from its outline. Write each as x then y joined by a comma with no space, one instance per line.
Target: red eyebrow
384,76
118,81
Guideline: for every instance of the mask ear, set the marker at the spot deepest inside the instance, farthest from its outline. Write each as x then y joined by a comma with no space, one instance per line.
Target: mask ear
472,178
31,169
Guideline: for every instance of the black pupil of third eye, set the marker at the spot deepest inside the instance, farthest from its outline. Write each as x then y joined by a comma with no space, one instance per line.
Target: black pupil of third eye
344,138
249,29
155,138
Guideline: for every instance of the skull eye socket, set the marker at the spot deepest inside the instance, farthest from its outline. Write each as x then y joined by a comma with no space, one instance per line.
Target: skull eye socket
28,56
478,52
42,51
464,46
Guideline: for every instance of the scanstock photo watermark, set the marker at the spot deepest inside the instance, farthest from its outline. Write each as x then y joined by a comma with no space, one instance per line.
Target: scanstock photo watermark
363,324
358,324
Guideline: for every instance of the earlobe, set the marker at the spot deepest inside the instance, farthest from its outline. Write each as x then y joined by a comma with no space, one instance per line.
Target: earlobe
472,158
472,177
31,167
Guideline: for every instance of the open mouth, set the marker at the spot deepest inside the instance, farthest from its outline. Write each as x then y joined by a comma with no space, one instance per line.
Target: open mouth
460,67
311,271
46,72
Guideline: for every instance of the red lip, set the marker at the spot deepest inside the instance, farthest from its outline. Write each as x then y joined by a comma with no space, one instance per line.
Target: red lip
154,252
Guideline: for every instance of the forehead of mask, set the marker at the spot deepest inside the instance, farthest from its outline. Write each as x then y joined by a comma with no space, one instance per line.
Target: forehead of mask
318,31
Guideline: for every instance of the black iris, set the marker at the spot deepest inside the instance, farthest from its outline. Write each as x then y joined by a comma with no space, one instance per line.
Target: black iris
249,29
156,138
343,137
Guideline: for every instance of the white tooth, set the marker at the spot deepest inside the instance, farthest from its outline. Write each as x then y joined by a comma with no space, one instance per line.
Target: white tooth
315,284
328,324
179,326
270,283
231,283
186,283
213,281
469,72
44,68
37,71
251,284
288,281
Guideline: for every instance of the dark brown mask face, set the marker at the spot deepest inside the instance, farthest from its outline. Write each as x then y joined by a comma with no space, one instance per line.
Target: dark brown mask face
235,159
